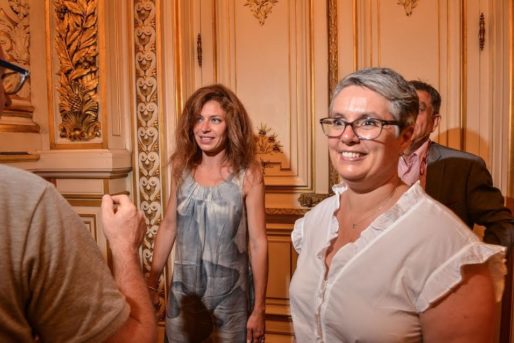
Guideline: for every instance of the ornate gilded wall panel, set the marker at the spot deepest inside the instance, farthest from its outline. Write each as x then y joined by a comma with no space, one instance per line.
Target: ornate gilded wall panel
148,173
15,41
76,45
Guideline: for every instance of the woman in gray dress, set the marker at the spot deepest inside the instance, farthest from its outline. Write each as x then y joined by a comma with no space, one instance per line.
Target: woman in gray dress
215,215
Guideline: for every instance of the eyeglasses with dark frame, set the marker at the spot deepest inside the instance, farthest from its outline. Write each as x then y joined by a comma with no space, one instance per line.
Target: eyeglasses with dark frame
363,128
14,79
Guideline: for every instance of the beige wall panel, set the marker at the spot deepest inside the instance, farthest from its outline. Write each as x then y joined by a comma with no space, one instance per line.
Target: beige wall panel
279,249
267,60
409,44
91,216
78,186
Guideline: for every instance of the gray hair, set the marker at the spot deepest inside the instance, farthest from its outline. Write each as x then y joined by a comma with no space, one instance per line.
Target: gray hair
402,96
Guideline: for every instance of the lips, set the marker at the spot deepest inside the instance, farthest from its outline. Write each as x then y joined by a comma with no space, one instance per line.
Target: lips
205,139
351,155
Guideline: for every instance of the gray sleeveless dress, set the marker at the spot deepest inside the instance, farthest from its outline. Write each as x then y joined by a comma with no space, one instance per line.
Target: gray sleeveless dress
209,296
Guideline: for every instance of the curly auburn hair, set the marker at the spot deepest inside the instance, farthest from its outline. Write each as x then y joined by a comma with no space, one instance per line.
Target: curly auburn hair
240,145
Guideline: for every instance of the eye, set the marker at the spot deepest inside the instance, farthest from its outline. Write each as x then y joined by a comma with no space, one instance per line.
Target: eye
216,120
338,123
367,123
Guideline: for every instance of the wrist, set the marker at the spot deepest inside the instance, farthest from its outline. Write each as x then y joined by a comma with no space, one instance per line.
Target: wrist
259,309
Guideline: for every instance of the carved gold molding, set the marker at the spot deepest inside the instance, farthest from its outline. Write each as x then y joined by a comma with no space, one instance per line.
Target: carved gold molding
267,141
76,46
312,199
15,36
333,73
149,178
261,8
408,5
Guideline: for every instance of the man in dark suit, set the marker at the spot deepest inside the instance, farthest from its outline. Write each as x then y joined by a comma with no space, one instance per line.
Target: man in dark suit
457,179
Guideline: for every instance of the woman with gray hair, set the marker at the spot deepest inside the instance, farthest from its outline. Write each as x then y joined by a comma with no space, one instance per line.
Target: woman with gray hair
379,261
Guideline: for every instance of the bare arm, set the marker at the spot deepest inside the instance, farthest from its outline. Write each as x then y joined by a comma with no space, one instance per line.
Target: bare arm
163,242
254,189
124,228
467,314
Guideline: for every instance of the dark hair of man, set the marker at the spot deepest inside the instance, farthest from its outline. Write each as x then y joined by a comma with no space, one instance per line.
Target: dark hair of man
435,97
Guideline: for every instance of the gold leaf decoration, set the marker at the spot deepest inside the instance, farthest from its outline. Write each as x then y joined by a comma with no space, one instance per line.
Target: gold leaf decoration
261,8
76,33
408,5
149,168
267,143
15,36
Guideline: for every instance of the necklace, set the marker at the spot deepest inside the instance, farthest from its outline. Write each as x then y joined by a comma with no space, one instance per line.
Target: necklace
383,203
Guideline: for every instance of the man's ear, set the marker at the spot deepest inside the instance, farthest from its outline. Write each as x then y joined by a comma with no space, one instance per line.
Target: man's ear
436,120
406,137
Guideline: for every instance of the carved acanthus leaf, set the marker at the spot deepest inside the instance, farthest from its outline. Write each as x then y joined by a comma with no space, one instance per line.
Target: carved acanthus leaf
76,44
408,5
261,8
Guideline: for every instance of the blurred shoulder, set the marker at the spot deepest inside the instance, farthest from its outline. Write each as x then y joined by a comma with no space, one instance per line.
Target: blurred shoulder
447,152
18,179
254,174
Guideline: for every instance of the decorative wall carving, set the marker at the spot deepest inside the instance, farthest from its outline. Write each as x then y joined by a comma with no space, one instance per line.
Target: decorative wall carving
267,142
333,70
408,5
15,36
76,45
261,8
148,148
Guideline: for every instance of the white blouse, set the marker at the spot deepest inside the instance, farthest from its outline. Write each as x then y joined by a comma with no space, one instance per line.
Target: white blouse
377,286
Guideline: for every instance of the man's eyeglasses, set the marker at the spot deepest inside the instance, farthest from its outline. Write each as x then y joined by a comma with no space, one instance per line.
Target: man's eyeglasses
13,79
364,128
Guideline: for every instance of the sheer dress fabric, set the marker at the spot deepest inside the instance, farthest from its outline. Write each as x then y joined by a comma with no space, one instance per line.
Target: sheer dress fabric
209,296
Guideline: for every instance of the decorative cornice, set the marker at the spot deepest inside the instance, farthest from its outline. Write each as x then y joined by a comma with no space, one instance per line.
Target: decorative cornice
76,46
261,8
148,155
408,5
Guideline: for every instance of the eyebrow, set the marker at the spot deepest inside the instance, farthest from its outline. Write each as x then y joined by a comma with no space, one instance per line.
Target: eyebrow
363,115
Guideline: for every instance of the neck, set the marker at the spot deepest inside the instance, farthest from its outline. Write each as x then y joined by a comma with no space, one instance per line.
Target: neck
213,160
416,145
363,202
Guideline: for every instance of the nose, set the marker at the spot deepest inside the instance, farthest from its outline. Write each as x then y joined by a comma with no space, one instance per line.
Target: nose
205,125
348,135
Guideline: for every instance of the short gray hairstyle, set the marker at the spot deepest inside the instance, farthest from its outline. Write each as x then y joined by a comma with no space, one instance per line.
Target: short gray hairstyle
402,96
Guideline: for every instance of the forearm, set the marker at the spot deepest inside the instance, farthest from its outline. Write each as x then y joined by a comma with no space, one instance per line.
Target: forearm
141,325
259,263
162,247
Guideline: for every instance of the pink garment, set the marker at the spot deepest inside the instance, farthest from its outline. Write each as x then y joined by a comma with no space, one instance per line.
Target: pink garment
412,168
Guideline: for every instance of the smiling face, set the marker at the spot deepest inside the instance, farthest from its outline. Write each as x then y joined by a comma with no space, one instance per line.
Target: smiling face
365,164
210,128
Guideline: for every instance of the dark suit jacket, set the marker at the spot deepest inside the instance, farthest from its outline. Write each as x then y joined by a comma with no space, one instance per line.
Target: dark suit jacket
461,181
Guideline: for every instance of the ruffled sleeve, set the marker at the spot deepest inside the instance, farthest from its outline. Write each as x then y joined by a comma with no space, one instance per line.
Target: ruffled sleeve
449,275
297,234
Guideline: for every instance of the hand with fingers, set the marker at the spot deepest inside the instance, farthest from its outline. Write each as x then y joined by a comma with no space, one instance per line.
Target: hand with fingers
255,327
123,224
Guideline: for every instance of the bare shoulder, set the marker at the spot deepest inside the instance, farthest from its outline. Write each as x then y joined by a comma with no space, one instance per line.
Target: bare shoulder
254,176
